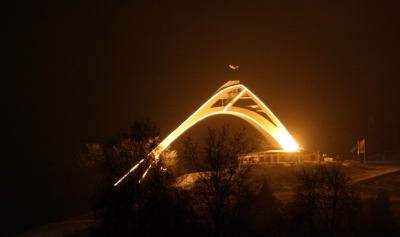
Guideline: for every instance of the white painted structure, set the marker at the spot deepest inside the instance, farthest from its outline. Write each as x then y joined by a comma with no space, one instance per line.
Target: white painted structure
235,99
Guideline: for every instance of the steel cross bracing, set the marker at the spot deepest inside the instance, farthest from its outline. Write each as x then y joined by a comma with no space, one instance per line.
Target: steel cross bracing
235,99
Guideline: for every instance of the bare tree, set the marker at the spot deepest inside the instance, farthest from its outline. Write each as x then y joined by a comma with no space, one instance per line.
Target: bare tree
381,219
223,194
131,208
324,204
170,162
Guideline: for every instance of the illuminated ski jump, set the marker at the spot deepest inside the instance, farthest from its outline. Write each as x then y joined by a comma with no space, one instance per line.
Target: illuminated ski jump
235,99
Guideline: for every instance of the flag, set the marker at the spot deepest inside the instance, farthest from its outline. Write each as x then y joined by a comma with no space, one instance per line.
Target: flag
361,146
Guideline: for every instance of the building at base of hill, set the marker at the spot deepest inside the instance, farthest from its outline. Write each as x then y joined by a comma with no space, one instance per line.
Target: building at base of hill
275,156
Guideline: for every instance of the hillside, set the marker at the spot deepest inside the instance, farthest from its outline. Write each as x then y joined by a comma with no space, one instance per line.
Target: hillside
60,229
368,178
281,177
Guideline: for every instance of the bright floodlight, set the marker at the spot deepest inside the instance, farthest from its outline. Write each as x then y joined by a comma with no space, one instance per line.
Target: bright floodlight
235,99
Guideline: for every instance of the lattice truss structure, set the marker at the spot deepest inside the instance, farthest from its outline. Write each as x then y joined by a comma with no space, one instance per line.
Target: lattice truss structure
235,99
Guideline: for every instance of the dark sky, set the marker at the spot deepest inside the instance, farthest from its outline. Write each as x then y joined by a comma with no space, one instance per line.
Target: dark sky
79,71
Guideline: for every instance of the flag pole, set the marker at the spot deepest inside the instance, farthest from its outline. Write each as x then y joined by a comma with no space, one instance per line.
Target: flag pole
364,152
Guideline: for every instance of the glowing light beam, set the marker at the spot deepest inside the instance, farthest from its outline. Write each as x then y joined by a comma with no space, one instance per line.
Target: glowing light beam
130,171
144,174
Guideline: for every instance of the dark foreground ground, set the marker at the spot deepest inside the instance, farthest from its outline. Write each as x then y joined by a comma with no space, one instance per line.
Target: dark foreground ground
369,178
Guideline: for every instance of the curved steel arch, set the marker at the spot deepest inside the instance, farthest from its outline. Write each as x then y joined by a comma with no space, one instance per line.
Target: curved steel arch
225,101
235,99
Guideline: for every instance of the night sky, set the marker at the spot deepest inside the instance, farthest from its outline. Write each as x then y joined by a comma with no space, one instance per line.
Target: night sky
75,72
